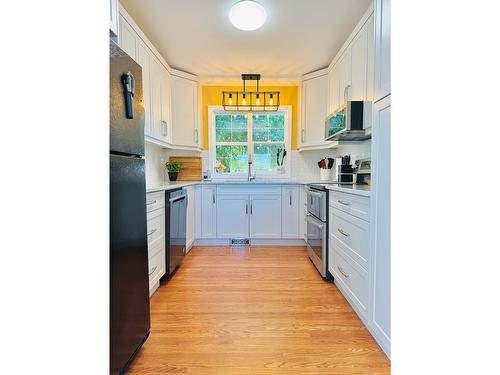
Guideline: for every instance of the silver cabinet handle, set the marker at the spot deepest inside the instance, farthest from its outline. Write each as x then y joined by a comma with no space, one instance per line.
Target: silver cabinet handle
150,203
164,127
246,207
251,204
343,233
153,270
290,197
150,233
346,93
213,196
342,271
196,135
344,203
302,136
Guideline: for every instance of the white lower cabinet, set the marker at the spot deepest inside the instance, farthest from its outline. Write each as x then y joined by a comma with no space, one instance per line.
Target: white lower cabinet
232,216
265,216
155,207
209,211
290,206
190,217
349,248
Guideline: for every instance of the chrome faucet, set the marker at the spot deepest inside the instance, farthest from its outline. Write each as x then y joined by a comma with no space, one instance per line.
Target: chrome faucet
250,177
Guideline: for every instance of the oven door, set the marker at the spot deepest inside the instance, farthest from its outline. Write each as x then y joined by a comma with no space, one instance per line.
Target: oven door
316,243
316,203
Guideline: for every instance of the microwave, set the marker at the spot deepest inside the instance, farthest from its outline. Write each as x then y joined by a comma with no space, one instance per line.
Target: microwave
346,123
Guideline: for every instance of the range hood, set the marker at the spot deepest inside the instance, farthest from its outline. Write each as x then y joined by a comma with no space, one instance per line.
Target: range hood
346,123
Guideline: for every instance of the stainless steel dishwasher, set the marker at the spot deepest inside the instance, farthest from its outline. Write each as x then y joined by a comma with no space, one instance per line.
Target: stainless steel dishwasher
175,227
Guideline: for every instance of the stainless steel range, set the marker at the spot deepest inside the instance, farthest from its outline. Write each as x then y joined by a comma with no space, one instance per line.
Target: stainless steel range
317,226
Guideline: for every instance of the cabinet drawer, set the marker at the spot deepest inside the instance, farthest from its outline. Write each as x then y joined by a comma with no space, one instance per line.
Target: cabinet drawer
156,225
352,234
155,200
250,188
351,279
356,205
156,268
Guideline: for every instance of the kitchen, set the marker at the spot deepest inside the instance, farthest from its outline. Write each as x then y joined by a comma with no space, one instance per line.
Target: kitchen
215,187
271,166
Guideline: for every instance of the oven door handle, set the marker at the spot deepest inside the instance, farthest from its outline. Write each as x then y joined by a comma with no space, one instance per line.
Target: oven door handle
313,221
314,194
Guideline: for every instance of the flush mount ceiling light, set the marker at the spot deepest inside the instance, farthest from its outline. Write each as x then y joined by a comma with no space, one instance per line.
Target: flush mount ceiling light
247,15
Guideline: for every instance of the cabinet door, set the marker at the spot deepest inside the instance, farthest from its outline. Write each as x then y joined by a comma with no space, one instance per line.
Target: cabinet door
265,216
155,82
128,39
314,104
303,213
209,212
370,73
344,77
232,216
331,91
381,210
144,60
166,105
197,211
113,17
358,66
190,221
184,96
382,48
290,212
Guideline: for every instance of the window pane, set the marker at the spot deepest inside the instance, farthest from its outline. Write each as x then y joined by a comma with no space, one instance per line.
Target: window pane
234,158
268,127
265,156
231,128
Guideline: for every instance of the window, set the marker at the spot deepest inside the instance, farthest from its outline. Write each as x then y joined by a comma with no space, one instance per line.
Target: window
238,137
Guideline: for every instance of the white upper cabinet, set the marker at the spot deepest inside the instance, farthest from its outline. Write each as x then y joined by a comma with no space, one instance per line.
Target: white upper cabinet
382,48
290,205
128,38
314,106
350,76
113,18
144,60
185,130
164,88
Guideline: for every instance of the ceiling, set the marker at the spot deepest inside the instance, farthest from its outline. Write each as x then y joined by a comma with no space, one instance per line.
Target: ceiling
196,36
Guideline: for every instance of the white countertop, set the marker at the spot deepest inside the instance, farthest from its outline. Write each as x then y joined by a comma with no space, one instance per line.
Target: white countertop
364,190
352,189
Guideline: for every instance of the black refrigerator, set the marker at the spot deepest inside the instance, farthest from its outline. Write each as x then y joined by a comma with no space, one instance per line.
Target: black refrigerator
129,285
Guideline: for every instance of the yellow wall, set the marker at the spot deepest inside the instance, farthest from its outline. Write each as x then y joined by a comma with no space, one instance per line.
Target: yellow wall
212,95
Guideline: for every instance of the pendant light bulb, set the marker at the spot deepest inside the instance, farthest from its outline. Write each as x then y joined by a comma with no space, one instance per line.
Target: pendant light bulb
230,99
271,99
244,101
257,100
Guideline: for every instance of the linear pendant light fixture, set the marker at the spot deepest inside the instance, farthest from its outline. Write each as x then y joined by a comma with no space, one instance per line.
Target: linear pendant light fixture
250,101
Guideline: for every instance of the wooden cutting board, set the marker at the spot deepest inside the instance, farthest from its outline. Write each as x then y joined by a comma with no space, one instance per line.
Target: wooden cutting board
190,167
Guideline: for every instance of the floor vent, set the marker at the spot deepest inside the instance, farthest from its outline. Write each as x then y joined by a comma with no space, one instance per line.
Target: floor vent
240,242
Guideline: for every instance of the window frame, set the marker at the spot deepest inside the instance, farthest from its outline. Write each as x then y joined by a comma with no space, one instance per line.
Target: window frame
215,110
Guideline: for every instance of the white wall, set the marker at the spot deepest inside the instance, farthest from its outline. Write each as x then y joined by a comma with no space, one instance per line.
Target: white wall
154,170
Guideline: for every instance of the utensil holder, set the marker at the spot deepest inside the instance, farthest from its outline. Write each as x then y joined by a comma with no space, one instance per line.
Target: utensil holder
325,174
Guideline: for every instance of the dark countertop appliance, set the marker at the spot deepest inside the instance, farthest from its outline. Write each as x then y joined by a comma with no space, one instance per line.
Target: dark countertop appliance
129,284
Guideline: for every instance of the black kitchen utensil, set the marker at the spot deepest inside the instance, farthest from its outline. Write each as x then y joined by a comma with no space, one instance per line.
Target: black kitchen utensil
283,158
330,163
278,156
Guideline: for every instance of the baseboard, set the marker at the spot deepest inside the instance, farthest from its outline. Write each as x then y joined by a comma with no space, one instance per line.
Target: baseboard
253,242
189,245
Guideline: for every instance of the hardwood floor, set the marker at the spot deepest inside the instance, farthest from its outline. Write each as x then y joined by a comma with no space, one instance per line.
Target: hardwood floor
257,311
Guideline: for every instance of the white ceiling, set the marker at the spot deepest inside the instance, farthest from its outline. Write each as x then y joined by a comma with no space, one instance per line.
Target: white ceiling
299,36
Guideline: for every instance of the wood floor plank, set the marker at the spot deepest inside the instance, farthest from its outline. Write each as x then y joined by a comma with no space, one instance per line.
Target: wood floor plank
259,311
